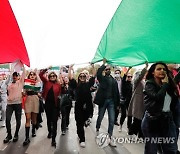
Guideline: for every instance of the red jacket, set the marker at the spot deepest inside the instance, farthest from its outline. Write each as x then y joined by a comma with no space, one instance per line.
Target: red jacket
47,86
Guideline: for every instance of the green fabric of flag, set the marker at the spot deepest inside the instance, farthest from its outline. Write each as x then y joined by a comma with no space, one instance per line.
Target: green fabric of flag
55,68
140,31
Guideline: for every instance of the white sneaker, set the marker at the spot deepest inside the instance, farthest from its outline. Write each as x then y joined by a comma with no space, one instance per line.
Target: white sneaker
82,144
63,132
120,128
112,142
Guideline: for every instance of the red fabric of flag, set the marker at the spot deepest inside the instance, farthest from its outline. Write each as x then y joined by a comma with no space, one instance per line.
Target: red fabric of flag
12,46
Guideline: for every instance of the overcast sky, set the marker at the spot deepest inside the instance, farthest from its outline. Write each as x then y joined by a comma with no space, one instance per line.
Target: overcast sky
60,32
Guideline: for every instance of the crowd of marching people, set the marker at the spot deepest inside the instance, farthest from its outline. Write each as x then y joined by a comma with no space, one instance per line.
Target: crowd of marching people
148,98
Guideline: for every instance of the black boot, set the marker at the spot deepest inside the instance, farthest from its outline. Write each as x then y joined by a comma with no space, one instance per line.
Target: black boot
49,135
8,138
33,130
16,137
27,141
53,143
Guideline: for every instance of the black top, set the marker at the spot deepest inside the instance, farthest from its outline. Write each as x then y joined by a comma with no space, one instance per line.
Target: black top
109,90
50,98
83,92
105,88
126,89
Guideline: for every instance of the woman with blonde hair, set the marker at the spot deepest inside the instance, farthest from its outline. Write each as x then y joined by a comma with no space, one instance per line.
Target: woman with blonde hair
82,105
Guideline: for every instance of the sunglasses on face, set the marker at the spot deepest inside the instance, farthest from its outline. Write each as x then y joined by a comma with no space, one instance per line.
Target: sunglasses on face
82,76
52,76
108,69
129,76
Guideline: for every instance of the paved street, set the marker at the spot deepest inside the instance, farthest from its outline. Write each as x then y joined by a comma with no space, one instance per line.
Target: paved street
68,144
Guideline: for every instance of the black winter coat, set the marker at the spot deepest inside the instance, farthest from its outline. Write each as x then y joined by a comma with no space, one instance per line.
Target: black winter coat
100,95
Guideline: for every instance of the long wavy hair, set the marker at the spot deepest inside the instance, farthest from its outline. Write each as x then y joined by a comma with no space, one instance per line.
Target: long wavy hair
170,78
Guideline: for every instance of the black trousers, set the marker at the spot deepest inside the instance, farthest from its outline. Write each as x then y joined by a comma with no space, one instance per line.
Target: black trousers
65,111
17,108
52,114
124,109
81,115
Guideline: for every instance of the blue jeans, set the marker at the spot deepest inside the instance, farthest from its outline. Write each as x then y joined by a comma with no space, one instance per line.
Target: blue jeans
109,105
151,148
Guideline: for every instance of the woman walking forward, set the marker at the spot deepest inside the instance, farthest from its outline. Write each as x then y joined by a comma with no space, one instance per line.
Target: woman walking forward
51,91
160,99
32,87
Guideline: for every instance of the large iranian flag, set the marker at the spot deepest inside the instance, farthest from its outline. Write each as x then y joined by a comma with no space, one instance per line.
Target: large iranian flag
142,30
12,46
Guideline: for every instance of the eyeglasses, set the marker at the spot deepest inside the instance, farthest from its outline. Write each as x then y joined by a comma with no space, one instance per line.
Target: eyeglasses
52,76
82,76
129,76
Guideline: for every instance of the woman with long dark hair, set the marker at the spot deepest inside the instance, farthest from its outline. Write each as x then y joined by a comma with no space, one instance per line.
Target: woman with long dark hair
160,99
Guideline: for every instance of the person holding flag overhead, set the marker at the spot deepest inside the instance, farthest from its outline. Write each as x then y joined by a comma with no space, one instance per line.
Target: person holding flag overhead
107,97
14,104
32,86
51,91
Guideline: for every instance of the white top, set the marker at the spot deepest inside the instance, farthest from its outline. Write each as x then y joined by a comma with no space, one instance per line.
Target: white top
167,102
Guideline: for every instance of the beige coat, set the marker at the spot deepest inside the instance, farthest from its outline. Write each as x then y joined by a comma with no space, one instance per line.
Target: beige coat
136,106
